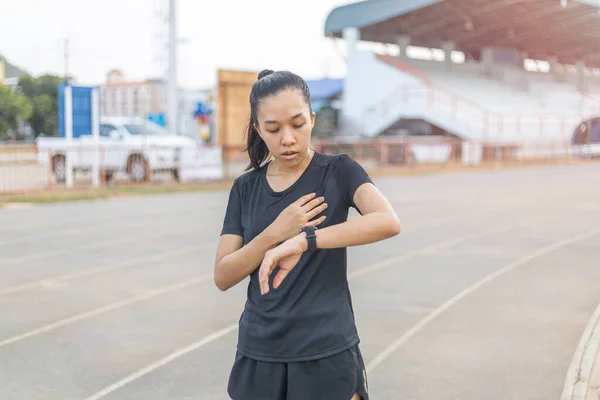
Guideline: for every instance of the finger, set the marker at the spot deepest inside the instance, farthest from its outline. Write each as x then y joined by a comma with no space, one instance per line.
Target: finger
317,221
264,283
268,266
316,211
261,275
265,271
314,203
279,278
305,199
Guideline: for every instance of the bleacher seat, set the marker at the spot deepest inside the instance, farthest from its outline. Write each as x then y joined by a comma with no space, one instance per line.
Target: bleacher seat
525,91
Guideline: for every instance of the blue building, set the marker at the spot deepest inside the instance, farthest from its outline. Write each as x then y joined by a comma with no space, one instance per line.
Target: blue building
326,95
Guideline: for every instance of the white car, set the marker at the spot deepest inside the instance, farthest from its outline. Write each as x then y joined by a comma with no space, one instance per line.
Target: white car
131,145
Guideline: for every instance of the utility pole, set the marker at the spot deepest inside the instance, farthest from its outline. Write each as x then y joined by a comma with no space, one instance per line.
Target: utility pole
172,103
66,57
161,32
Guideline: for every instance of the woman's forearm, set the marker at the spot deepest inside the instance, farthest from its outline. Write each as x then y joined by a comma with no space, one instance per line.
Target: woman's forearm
365,229
235,267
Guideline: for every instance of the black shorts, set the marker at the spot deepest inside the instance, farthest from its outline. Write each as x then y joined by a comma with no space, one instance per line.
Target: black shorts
337,377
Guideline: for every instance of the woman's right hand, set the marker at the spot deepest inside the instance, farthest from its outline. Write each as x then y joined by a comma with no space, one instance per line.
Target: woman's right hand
298,215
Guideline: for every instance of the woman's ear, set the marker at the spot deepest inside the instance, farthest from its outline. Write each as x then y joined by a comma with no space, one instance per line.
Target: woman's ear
313,116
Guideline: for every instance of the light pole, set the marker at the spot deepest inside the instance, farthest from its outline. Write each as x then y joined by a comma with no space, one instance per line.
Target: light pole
172,95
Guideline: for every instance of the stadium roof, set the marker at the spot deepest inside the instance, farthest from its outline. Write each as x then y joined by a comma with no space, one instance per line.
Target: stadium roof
567,29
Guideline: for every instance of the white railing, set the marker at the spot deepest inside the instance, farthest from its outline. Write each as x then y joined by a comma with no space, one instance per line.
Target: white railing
470,120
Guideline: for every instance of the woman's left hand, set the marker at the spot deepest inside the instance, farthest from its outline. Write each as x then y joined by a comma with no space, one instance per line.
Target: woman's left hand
286,255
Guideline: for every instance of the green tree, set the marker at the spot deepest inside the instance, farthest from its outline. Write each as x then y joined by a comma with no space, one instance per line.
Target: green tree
43,94
14,108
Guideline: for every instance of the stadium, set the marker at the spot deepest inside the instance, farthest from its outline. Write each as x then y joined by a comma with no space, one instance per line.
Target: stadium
475,80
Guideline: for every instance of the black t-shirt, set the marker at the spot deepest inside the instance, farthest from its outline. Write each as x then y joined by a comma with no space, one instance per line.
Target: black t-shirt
310,315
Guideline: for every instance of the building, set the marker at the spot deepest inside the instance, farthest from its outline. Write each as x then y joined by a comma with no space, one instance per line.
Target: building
123,98
11,82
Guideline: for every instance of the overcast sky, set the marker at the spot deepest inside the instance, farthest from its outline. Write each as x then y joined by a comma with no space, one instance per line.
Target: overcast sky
107,34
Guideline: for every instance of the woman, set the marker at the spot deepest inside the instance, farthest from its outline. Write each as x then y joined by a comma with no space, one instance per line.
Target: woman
297,336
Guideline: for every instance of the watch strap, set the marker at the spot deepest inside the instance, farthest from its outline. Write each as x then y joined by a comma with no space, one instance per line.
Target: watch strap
311,237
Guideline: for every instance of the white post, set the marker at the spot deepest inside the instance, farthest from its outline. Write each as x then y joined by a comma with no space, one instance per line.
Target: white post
487,59
95,138
69,136
351,35
448,48
172,103
350,122
581,84
403,42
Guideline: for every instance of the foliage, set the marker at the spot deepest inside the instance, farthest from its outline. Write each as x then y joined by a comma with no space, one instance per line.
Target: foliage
42,92
14,108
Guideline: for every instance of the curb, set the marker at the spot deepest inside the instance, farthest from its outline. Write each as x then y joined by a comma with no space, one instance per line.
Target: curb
593,392
583,377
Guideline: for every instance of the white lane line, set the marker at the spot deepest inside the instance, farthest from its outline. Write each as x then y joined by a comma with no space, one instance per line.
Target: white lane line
96,245
376,266
389,350
76,224
577,380
76,228
108,307
444,244
163,361
102,269
97,311
92,271
18,206
119,239
84,228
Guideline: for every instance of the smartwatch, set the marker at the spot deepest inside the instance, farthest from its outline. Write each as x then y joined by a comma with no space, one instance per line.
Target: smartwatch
310,237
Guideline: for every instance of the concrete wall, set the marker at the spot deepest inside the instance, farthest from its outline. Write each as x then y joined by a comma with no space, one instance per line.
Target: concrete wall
367,84
21,177
20,170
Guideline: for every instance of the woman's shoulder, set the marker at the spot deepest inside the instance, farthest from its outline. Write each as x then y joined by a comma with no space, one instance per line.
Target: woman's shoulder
339,163
330,160
247,178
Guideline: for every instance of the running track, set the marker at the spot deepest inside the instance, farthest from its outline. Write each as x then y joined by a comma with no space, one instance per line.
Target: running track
484,295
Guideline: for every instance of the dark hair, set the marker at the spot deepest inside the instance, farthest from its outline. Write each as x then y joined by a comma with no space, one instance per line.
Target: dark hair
269,83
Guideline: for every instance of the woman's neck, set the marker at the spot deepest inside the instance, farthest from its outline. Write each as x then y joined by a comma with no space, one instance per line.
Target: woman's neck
282,170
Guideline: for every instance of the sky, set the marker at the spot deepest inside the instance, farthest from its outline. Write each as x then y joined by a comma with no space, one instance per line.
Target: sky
125,35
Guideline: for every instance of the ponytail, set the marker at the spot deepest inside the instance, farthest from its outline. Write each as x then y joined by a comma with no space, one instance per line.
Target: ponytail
257,149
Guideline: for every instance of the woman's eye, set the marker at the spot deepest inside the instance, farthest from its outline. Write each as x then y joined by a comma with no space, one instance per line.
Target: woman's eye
298,126
274,131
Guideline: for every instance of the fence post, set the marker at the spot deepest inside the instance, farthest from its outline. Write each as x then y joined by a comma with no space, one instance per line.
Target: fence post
102,167
50,170
383,155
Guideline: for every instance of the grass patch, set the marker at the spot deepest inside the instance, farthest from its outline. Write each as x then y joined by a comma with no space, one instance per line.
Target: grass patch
61,195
